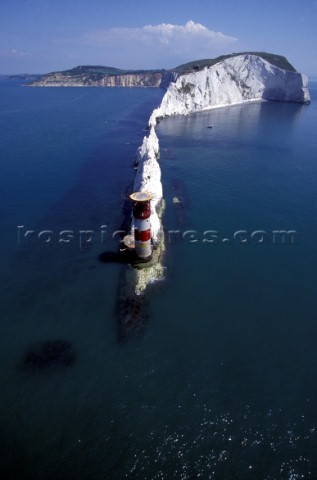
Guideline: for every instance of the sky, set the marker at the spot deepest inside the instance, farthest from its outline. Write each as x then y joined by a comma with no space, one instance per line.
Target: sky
41,36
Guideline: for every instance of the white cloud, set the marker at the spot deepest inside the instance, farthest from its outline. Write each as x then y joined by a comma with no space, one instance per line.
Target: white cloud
167,33
14,53
164,41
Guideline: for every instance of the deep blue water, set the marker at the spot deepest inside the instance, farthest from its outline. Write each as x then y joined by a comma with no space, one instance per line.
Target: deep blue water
221,381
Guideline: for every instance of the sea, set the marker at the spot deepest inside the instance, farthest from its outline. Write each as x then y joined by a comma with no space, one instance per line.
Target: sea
218,381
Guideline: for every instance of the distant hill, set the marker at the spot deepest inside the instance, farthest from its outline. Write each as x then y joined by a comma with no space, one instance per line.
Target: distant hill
98,70
101,76
98,75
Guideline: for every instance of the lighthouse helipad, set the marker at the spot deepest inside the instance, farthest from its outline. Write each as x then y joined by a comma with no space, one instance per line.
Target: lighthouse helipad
141,196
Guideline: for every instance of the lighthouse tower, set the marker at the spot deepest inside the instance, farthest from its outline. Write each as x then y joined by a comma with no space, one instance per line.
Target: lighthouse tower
142,224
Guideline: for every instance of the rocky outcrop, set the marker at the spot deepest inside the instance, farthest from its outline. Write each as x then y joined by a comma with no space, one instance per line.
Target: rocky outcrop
239,79
148,179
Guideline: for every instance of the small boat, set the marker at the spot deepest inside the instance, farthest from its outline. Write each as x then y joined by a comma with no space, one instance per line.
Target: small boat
209,126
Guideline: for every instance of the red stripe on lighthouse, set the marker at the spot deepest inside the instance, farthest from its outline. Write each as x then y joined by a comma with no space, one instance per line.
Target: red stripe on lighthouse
145,235
142,236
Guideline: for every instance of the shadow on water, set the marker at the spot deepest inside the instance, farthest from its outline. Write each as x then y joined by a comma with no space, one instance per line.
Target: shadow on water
232,125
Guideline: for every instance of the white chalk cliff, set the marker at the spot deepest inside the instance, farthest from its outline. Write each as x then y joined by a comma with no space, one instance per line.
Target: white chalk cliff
148,178
239,79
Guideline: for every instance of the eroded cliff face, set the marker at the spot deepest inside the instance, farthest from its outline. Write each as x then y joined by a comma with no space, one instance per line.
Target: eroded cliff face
239,79
133,80
146,79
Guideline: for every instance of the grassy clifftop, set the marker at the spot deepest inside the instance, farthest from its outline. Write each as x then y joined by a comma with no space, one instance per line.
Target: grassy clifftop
276,60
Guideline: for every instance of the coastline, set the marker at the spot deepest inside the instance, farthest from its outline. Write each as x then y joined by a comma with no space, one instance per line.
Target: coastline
240,80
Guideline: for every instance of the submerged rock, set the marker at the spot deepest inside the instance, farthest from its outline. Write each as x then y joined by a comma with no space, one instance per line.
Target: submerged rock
131,308
52,353
131,315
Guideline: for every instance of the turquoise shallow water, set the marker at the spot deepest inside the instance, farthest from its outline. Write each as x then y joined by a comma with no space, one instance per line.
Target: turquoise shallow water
220,382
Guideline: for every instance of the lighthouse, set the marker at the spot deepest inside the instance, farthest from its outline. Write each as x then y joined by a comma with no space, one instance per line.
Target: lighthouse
142,224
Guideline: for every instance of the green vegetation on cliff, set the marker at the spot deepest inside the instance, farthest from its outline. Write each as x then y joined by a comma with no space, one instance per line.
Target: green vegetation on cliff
276,60
100,71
